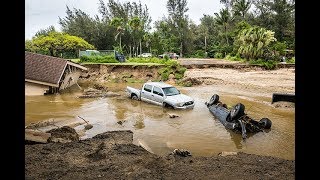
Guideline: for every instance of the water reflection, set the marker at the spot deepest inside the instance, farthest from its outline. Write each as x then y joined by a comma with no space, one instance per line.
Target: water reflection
139,121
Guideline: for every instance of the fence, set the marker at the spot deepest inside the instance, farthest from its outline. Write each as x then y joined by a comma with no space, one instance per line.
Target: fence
96,52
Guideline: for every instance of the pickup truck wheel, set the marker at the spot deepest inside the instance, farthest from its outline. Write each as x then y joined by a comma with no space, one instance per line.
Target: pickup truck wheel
134,97
265,123
168,106
237,111
214,99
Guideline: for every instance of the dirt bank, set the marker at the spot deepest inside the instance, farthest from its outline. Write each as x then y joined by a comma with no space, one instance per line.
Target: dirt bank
112,155
127,73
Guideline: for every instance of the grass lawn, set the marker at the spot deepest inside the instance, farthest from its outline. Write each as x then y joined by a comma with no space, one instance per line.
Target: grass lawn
74,60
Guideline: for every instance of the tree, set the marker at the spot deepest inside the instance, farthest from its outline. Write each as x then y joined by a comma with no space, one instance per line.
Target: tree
277,15
206,32
283,18
119,24
147,38
228,3
223,18
45,31
177,15
135,25
241,7
254,41
56,42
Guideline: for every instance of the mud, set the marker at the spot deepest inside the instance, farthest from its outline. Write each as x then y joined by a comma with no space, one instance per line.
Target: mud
63,134
111,155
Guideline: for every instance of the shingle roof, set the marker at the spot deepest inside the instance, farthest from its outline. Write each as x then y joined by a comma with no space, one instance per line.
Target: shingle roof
44,68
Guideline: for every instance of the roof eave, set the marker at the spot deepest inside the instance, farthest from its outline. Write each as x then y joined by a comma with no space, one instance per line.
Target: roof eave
77,65
42,83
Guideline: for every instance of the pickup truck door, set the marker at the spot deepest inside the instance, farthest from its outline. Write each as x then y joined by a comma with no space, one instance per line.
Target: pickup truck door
146,94
158,95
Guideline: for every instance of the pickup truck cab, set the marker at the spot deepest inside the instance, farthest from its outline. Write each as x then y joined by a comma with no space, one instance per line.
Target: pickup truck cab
162,94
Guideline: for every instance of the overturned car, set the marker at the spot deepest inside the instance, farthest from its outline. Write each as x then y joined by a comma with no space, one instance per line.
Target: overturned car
235,118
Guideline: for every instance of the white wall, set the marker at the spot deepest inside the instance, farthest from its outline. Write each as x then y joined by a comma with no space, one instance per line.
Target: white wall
32,89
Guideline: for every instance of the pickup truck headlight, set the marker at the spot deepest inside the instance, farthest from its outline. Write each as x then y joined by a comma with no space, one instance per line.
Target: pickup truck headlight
180,104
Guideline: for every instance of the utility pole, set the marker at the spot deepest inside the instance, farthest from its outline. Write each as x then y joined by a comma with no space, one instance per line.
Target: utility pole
205,45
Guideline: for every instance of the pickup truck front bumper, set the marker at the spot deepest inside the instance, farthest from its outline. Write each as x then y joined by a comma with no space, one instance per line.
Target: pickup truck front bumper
185,107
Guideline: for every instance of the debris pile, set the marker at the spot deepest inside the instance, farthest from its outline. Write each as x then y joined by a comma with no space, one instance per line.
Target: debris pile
181,152
100,92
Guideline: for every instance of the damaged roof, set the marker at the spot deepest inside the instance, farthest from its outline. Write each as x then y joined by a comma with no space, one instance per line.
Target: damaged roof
45,69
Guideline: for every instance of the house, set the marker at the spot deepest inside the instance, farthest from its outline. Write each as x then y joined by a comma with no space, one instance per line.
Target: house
46,74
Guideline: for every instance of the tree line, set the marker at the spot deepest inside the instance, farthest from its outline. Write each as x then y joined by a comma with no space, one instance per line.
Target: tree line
249,29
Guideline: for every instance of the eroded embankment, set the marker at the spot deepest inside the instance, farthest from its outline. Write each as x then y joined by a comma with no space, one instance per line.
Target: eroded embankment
102,73
111,155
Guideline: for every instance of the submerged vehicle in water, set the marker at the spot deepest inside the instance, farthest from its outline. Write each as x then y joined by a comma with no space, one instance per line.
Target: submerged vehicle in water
235,118
162,94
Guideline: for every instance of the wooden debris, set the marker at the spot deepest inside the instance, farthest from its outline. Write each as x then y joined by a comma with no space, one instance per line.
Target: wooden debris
224,153
98,91
173,115
181,152
88,126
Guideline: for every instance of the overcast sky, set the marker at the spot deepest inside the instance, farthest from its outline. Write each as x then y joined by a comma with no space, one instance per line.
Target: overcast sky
40,14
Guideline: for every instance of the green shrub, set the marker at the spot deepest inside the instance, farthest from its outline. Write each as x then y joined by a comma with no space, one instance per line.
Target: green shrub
218,55
172,67
292,60
266,64
186,84
98,59
147,60
178,76
164,73
199,54
233,58
166,57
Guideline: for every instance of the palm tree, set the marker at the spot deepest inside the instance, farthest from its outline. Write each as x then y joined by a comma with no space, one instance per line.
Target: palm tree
147,39
119,24
241,7
135,25
223,18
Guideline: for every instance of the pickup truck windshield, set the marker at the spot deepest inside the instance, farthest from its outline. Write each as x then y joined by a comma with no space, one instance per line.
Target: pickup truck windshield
170,91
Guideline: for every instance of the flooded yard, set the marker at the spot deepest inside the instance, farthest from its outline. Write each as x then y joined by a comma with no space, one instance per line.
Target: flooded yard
196,130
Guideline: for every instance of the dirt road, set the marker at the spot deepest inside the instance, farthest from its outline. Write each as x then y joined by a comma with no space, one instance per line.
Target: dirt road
194,61
246,82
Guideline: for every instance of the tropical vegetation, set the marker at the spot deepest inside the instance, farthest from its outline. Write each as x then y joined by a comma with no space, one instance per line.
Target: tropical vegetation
248,30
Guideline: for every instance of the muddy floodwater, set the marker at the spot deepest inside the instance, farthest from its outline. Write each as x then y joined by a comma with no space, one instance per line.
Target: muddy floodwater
195,130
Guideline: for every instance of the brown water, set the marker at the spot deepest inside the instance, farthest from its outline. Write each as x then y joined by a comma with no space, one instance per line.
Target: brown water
196,130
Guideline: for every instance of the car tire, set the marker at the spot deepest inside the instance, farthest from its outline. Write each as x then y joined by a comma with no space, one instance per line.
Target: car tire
166,105
265,123
134,97
237,111
214,99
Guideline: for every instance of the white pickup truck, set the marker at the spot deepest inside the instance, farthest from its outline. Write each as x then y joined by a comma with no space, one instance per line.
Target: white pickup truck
162,94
